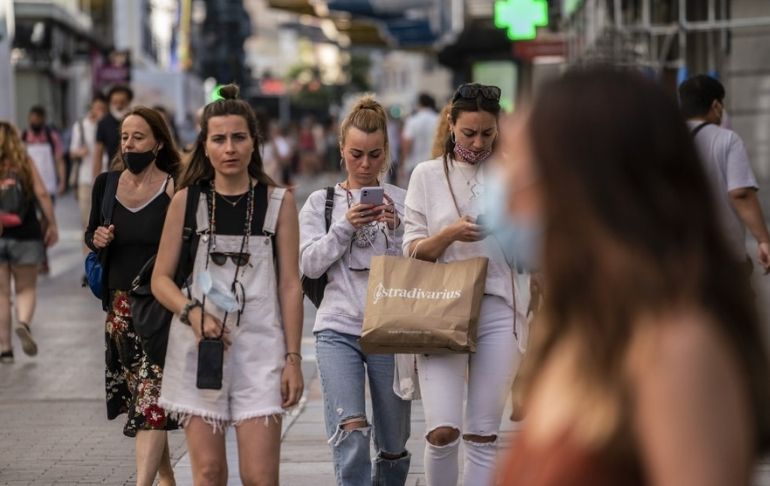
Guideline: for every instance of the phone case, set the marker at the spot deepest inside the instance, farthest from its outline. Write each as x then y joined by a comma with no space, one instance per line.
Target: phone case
372,195
211,353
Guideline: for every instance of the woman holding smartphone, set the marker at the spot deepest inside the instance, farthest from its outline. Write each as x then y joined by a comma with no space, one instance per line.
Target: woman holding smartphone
359,230
237,325
442,223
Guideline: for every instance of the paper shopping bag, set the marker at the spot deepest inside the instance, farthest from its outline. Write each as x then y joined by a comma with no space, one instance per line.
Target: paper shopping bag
414,306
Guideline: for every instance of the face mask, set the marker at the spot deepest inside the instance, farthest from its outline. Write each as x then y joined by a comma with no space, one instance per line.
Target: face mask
220,296
136,162
520,239
36,127
471,156
119,114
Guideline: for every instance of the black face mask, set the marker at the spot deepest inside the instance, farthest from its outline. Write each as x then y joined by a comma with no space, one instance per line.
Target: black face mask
136,162
36,127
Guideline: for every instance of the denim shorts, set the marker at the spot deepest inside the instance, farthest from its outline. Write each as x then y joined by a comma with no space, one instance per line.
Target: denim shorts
21,252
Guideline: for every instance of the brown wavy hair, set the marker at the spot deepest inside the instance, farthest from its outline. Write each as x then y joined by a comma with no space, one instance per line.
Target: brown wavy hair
13,157
199,169
631,232
168,159
442,132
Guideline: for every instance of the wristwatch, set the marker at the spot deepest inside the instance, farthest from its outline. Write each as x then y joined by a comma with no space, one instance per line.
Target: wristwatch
184,316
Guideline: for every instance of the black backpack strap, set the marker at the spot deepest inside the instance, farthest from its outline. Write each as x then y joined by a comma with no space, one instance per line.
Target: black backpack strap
108,198
699,128
189,236
329,207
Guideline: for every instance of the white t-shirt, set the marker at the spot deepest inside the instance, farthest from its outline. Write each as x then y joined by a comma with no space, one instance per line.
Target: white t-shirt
88,137
420,129
727,165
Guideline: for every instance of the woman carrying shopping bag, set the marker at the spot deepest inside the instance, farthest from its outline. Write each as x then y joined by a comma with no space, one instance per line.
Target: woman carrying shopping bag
442,223
358,231
233,353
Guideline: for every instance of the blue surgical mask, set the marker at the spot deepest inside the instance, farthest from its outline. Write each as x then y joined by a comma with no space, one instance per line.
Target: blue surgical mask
520,239
218,294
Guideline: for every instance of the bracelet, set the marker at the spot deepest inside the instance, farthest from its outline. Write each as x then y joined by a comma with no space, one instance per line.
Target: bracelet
299,356
184,316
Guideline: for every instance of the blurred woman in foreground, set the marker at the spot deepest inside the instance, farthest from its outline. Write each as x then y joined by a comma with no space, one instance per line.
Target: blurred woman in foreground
648,365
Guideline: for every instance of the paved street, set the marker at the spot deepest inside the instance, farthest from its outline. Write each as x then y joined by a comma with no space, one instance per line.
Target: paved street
53,426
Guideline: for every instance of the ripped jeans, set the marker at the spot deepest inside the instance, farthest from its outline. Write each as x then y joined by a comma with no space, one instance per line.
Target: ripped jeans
343,369
490,371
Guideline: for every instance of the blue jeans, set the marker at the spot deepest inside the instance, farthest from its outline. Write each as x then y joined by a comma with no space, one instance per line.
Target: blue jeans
343,369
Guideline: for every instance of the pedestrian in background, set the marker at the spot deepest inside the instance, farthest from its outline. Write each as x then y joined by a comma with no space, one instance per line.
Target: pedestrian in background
22,242
358,232
147,164
244,292
417,135
82,146
44,147
108,129
727,166
648,365
443,204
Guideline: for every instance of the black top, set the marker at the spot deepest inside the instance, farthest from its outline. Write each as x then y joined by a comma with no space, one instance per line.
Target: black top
30,226
137,235
108,133
230,220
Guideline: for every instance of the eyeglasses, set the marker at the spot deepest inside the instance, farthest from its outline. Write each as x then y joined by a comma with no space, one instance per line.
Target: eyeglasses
239,259
472,91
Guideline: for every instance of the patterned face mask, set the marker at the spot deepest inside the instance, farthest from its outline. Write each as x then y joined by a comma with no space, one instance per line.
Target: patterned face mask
471,156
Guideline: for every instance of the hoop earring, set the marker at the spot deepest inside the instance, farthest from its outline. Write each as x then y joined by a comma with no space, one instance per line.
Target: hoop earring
342,163
452,136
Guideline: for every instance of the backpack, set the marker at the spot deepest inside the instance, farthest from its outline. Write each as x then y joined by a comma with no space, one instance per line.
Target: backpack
314,288
14,201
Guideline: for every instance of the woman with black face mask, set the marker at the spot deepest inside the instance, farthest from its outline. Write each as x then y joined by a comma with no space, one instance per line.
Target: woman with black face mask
144,179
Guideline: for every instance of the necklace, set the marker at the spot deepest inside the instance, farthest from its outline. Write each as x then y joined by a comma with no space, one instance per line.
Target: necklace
473,183
365,235
230,201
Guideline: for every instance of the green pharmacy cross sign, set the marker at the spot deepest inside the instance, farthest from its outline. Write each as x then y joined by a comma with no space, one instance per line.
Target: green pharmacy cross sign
521,17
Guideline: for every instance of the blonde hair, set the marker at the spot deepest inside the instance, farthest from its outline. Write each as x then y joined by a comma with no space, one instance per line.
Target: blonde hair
13,156
442,132
369,116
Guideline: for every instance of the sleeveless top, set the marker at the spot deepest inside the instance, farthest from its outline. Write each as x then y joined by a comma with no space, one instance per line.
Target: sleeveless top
137,236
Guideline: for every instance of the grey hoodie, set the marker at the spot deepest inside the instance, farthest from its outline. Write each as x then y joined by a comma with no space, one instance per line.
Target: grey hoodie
342,309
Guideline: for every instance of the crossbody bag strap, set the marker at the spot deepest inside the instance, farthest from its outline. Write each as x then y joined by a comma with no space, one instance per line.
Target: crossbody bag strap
451,191
273,210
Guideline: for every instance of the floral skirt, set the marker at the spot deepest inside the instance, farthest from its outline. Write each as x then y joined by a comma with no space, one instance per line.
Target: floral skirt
132,381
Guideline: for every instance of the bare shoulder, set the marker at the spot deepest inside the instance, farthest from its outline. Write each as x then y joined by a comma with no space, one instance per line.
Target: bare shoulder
684,337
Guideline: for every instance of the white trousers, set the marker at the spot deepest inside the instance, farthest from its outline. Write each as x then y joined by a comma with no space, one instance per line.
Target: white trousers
490,371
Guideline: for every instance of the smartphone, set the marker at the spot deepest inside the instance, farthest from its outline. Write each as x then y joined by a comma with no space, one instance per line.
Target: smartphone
211,353
372,195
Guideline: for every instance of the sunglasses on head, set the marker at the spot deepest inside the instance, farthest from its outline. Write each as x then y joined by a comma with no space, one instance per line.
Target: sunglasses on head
239,259
472,91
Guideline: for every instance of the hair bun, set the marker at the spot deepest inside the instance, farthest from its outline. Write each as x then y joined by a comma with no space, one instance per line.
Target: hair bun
367,102
229,91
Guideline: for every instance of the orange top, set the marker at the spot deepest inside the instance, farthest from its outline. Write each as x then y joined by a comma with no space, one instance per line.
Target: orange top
564,463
